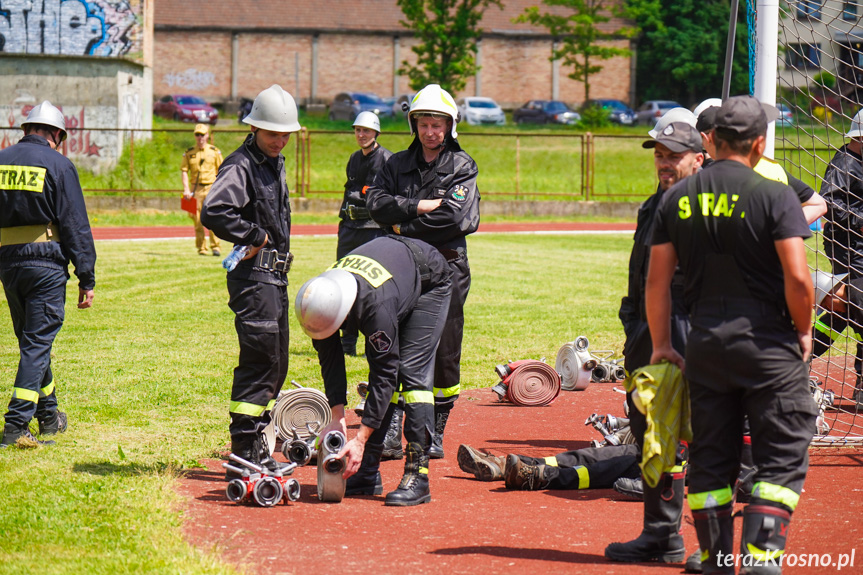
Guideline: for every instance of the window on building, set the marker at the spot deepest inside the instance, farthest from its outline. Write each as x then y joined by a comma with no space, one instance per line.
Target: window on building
849,11
803,56
808,9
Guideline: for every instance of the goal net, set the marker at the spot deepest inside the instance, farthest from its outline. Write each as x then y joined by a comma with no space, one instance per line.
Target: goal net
819,89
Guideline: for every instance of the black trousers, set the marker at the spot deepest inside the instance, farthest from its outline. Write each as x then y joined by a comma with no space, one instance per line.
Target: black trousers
747,366
590,468
261,320
351,238
419,335
447,375
37,300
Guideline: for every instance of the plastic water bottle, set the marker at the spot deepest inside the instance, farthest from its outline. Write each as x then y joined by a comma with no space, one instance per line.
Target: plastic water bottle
237,254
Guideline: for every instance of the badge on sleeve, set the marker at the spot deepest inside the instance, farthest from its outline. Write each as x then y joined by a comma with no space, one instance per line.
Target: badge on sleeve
380,341
459,193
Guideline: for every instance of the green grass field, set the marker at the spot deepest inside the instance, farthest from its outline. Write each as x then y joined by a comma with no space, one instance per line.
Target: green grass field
145,377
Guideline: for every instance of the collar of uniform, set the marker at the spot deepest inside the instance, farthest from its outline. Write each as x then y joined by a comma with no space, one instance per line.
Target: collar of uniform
35,139
260,157
443,165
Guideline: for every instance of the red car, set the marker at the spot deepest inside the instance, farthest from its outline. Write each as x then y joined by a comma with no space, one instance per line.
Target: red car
186,108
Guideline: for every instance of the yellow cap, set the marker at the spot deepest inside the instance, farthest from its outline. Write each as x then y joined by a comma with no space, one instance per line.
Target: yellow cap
202,129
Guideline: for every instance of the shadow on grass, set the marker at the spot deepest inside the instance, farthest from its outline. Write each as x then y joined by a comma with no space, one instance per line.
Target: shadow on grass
126,469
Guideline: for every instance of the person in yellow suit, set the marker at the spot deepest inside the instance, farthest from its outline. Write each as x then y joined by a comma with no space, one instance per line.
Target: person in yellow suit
200,166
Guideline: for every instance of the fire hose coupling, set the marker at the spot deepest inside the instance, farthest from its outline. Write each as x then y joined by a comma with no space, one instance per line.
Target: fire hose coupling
527,382
301,451
606,369
362,391
331,484
614,430
259,484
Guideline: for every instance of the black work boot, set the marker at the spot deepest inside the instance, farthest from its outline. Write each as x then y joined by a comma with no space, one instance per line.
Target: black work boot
765,528
632,488
523,476
483,466
247,447
367,479
715,529
436,448
660,539
693,562
393,440
414,486
22,438
266,459
52,425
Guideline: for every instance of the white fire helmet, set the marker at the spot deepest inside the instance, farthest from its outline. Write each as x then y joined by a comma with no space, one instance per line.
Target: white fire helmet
47,114
824,283
324,302
435,101
856,130
708,103
368,120
274,110
670,117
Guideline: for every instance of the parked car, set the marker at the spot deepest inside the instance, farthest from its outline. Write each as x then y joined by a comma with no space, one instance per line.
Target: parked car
786,117
545,112
618,112
649,112
186,108
347,105
476,110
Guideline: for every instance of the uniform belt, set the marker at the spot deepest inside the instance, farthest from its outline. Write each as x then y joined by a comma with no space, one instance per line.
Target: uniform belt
274,260
357,213
29,234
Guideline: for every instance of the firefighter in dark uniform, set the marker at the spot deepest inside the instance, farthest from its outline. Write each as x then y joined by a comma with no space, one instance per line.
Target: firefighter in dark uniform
356,226
248,206
738,238
429,192
677,154
43,226
396,292
843,236
199,168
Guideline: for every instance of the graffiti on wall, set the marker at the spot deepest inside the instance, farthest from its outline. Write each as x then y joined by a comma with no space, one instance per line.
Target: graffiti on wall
71,27
86,144
190,79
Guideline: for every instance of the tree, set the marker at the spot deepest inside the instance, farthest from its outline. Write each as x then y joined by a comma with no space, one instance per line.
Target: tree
448,31
580,34
681,49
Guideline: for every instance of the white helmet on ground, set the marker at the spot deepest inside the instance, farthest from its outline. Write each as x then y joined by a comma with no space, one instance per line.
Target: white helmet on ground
324,301
47,114
368,120
824,283
274,110
670,117
433,101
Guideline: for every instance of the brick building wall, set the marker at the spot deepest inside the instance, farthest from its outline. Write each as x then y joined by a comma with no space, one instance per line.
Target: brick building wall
514,69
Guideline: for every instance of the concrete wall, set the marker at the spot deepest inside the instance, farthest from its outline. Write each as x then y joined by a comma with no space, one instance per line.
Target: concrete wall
316,67
93,94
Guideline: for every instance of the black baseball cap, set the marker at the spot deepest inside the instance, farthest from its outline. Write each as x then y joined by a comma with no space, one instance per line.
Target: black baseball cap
707,119
677,137
743,117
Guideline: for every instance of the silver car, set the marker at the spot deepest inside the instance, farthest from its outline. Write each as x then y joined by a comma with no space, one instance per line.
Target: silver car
476,110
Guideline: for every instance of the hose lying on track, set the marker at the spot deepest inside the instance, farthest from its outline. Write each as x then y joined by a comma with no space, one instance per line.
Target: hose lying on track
575,365
533,383
295,408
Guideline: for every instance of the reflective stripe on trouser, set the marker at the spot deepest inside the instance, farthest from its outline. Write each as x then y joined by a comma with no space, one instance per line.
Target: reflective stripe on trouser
37,299
591,467
200,230
768,383
418,340
261,321
447,370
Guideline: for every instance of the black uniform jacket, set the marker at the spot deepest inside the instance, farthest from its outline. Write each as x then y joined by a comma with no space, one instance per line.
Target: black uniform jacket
248,202
843,191
361,172
399,186
377,312
39,185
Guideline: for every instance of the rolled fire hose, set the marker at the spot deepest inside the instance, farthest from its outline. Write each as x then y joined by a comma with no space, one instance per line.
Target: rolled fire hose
297,407
331,485
575,365
270,436
533,383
